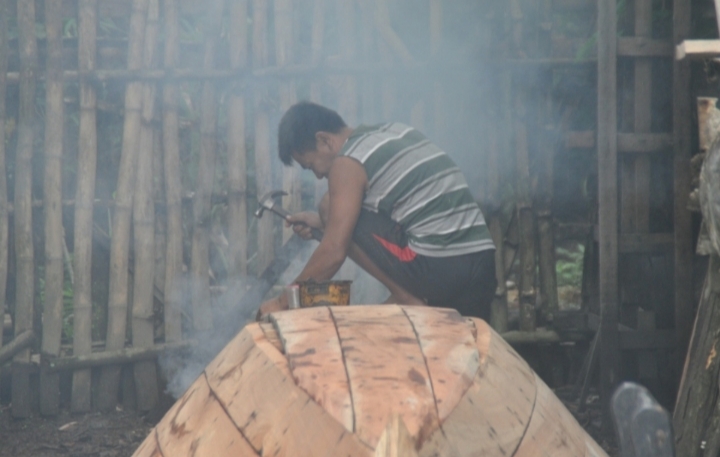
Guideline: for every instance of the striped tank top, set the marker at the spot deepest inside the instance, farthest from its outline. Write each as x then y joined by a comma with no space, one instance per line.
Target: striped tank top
418,186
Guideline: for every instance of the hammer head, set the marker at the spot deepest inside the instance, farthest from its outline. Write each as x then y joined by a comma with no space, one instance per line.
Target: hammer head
267,201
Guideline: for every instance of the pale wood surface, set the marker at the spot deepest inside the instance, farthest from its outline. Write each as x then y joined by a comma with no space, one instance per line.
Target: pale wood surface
450,352
492,416
552,431
386,369
197,425
316,361
282,389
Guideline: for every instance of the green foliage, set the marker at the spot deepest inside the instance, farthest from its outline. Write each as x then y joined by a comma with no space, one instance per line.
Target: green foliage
569,266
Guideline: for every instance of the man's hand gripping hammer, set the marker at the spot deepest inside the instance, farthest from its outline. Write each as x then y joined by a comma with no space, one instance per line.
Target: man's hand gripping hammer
268,202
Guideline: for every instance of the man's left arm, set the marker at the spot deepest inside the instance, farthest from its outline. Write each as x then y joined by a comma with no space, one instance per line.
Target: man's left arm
346,187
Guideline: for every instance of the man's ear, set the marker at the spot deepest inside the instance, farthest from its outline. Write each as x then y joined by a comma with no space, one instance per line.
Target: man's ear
322,139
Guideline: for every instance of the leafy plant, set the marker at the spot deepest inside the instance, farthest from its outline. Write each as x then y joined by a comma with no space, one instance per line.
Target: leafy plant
569,266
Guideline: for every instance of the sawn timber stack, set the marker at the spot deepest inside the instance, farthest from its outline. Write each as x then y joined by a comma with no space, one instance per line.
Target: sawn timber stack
334,382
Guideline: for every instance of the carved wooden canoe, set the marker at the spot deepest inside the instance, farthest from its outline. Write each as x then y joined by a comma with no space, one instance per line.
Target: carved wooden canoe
368,381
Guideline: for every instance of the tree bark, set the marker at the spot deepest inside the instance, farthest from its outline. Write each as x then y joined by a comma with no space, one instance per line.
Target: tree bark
120,243
236,151
52,186
24,252
173,186
144,230
202,206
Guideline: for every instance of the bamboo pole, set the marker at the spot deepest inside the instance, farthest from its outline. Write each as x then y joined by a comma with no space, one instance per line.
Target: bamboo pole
316,57
118,357
144,230
284,55
202,207
25,269
173,186
21,342
236,150
263,167
52,186
118,290
4,11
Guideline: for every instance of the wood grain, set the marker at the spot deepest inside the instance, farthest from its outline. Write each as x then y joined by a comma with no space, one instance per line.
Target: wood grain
450,352
197,425
387,371
315,359
149,447
491,418
552,432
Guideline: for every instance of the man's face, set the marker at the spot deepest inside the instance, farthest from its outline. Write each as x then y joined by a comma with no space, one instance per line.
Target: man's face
318,160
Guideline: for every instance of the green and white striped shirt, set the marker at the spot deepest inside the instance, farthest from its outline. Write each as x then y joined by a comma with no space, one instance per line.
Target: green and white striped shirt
419,186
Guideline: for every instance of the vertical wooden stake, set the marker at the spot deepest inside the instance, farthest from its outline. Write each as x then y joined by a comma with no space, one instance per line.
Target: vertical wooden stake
120,242
316,56
144,230
263,167
682,119
4,11
608,194
284,55
25,270
236,151
202,205
87,160
173,186
52,186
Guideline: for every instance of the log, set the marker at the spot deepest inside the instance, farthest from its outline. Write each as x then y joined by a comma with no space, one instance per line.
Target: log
20,343
4,11
118,290
697,49
107,358
84,198
285,55
236,149
202,206
52,189
173,186
142,321
607,145
263,167
24,251
409,370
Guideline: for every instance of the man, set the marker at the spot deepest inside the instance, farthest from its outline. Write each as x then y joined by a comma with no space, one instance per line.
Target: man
397,205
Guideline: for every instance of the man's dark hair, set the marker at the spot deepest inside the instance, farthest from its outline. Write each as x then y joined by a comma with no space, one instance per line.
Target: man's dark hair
299,125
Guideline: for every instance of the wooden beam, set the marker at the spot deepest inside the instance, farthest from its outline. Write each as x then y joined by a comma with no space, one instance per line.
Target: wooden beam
697,49
607,143
682,121
21,342
644,47
626,142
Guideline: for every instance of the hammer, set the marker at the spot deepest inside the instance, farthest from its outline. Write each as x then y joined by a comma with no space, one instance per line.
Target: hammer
267,202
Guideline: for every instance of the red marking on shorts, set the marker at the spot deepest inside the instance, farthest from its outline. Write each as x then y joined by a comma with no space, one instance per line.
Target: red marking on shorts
403,254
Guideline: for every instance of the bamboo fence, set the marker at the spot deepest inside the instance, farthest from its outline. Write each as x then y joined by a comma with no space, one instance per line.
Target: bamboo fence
158,138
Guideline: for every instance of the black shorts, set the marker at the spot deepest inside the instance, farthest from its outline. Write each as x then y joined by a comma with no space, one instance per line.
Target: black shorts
464,282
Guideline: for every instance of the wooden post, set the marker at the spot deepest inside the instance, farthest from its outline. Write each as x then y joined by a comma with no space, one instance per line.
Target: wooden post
25,266
144,230
52,186
120,242
316,56
682,119
236,151
607,193
526,219
173,186
284,55
85,194
202,205
4,11
545,226
263,167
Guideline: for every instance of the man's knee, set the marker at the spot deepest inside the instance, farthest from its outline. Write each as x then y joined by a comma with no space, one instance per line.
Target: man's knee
324,208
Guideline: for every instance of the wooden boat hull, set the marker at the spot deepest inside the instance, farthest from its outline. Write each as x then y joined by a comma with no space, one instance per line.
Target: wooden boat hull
369,381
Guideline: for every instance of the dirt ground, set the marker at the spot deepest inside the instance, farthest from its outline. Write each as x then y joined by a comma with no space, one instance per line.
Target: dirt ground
116,434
